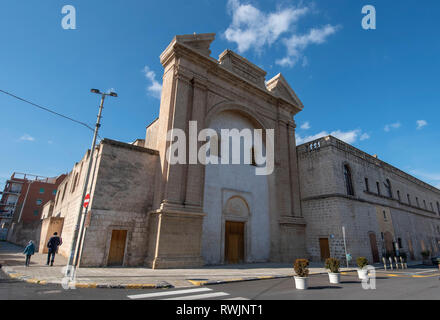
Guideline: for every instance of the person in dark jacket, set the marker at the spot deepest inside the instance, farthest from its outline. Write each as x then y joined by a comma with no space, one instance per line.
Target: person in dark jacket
29,251
53,244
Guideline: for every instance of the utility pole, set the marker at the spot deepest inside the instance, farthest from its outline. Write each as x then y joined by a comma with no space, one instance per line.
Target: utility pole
345,245
79,227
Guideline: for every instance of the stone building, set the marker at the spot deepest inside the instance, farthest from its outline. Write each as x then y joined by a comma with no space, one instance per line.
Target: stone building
146,211
382,208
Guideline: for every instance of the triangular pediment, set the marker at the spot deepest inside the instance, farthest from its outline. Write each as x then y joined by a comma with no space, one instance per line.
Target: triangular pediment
279,86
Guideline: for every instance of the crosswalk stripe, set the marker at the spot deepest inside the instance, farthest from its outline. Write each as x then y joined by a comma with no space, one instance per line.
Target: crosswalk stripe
201,296
167,293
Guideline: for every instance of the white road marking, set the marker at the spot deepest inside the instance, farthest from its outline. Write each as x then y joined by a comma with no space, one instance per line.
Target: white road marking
237,298
167,293
201,296
51,291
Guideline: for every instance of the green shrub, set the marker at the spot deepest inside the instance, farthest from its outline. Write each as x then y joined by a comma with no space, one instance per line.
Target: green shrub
425,254
362,262
301,267
332,264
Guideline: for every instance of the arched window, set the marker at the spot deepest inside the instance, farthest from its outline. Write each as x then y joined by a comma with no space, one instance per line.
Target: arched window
388,187
398,195
348,180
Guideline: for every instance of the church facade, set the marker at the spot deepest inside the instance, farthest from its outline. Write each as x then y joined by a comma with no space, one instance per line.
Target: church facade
146,211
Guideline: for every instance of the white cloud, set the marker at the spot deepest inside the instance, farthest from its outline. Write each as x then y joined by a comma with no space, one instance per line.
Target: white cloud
421,124
27,137
388,127
155,88
296,44
347,136
305,125
364,136
252,28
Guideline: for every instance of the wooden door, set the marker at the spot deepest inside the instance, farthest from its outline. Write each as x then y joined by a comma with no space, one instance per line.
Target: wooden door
117,248
234,242
374,250
325,248
389,247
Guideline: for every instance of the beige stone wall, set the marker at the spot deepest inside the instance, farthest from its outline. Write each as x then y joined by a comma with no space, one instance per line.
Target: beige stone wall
122,196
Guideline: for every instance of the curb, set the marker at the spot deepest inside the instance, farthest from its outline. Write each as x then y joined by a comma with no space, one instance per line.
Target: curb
18,276
214,282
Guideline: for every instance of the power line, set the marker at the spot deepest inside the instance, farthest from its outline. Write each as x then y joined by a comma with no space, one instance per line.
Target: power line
48,110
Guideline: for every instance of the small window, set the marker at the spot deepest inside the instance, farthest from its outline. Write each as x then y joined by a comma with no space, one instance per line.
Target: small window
54,192
378,187
409,199
398,195
39,202
367,187
36,212
424,205
417,202
385,216
348,180
74,183
388,188
438,207
41,190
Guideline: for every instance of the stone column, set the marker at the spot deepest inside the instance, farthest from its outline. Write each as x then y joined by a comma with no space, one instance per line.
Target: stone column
175,228
283,174
195,177
294,174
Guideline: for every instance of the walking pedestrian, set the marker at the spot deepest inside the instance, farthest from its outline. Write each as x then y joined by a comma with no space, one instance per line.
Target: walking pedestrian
29,251
53,244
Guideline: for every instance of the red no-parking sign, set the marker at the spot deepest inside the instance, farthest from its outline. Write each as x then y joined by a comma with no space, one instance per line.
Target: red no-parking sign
86,201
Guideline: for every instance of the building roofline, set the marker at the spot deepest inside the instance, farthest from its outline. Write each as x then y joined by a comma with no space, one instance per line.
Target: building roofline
323,141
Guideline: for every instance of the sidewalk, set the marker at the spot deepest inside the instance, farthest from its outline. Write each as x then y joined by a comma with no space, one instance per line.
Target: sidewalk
12,259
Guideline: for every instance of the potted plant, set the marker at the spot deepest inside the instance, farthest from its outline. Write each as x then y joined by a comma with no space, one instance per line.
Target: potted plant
332,265
425,255
301,268
362,262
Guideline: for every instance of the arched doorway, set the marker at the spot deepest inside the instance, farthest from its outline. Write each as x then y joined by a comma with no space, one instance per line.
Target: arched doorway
236,214
373,245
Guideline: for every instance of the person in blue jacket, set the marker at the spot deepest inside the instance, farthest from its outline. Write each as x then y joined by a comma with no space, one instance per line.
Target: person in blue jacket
29,251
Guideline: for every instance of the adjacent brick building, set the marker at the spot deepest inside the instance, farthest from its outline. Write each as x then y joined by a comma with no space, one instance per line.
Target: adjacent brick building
22,203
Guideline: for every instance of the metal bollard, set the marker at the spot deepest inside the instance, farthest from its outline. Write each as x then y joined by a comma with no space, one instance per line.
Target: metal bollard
401,263
397,264
391,263
384,263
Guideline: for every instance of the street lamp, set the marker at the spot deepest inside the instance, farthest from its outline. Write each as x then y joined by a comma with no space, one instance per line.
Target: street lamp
79,227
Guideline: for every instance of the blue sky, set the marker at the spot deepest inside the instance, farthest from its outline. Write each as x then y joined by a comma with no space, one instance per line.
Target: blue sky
377,89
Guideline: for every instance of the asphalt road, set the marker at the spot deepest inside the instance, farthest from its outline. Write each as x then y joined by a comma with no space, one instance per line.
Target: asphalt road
414,283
